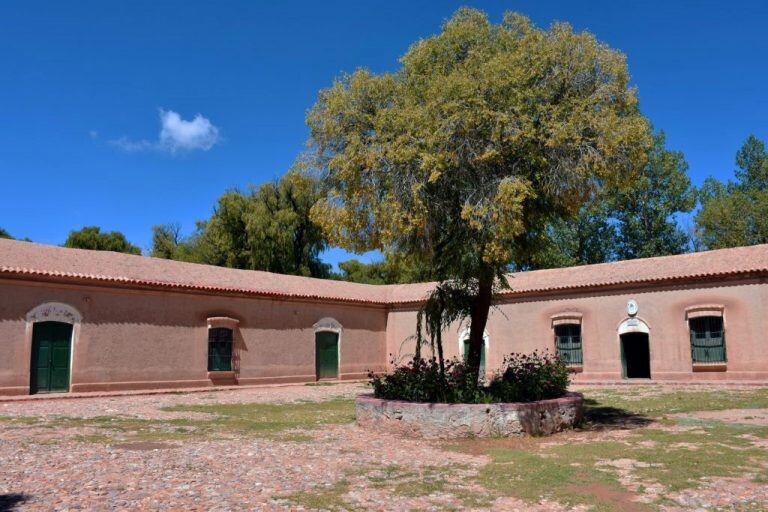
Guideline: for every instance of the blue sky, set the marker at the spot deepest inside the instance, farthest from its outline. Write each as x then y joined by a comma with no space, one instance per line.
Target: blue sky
84,85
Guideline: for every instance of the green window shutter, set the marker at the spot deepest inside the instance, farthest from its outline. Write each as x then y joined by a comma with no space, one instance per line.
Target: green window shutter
568,343
219,349
482,355
327,355
707,339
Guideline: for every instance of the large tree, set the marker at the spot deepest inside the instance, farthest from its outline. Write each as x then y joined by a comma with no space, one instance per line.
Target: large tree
636,220
5,234
735,213
169,243
266,228
590,237
91,237
646,209
484,132
392,269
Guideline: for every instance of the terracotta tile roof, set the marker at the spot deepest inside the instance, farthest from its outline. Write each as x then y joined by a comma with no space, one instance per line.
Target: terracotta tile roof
693,266
26,259
46,261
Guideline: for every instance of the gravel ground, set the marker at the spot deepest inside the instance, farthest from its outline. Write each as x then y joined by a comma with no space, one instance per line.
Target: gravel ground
49,464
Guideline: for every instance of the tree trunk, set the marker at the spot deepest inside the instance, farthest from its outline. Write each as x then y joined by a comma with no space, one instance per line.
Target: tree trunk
478,320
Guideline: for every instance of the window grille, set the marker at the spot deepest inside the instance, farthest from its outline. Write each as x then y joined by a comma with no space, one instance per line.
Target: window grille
568,343
219,349
707,339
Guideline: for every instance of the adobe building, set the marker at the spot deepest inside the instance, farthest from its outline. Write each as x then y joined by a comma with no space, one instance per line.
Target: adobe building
76,320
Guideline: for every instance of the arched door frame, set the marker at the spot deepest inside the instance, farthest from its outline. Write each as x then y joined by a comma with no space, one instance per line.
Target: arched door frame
330,324
630,325
53,312
464,335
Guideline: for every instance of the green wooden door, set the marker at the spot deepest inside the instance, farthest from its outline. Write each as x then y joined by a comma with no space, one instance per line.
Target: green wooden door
482,356
327,355
51,345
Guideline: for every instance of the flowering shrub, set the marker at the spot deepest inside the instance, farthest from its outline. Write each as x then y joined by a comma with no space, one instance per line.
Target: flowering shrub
529,377
523,378
419,381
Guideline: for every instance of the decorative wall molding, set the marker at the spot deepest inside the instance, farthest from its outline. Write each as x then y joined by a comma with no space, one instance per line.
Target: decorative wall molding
704,310
54,312
327,324
222,321
566,317
633,324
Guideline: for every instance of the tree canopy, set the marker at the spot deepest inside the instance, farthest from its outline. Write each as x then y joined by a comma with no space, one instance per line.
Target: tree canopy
5,234
485,133
392,269
634,221
91,237
267,228
735,213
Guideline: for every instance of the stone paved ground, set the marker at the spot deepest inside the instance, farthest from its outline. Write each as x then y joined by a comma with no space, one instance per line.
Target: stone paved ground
297,448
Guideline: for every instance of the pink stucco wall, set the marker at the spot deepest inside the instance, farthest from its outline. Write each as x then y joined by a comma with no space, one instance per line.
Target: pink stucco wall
143,339
525,324
134,339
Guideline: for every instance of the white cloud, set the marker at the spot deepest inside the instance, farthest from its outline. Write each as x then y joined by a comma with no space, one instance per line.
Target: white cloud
176,135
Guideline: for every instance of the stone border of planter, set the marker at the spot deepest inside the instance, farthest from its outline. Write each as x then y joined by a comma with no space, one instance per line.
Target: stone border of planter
449,421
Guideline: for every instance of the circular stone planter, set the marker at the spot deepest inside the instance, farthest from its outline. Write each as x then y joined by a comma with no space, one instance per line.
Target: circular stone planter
446,421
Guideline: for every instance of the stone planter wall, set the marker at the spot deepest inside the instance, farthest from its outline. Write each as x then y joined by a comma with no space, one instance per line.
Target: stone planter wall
445,421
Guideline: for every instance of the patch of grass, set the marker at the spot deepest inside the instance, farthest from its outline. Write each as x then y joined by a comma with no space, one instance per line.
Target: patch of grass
581,473
226,420
25,420
721,452
265,419
321,383
552,474
323,498
660,401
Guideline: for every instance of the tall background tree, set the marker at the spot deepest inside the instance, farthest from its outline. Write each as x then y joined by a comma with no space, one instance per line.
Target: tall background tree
735,213
391,269
91,237
636,220
484,133
267,228
5,234
646,209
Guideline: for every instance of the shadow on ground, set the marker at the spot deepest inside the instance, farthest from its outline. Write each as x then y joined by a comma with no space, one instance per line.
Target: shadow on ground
8,502
601,417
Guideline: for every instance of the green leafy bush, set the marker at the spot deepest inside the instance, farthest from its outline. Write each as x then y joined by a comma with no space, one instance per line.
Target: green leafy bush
522,378
529,377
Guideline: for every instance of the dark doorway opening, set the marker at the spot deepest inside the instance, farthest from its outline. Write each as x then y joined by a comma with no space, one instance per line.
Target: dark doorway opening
635,356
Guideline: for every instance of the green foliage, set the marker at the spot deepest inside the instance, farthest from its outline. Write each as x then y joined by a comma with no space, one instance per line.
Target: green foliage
735,213
422,380
267,228
168,243
527,378
523,378
589,238
393,269
484,133
636,220
5,234
91,237
645,210
483,127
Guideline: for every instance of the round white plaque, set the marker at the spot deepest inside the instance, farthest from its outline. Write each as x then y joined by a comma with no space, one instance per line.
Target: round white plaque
631,307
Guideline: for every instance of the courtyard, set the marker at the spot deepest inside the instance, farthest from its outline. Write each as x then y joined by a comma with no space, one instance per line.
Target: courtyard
297,448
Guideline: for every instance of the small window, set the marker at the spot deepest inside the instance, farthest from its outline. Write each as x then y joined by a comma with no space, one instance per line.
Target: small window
568,343
219,349
707,339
